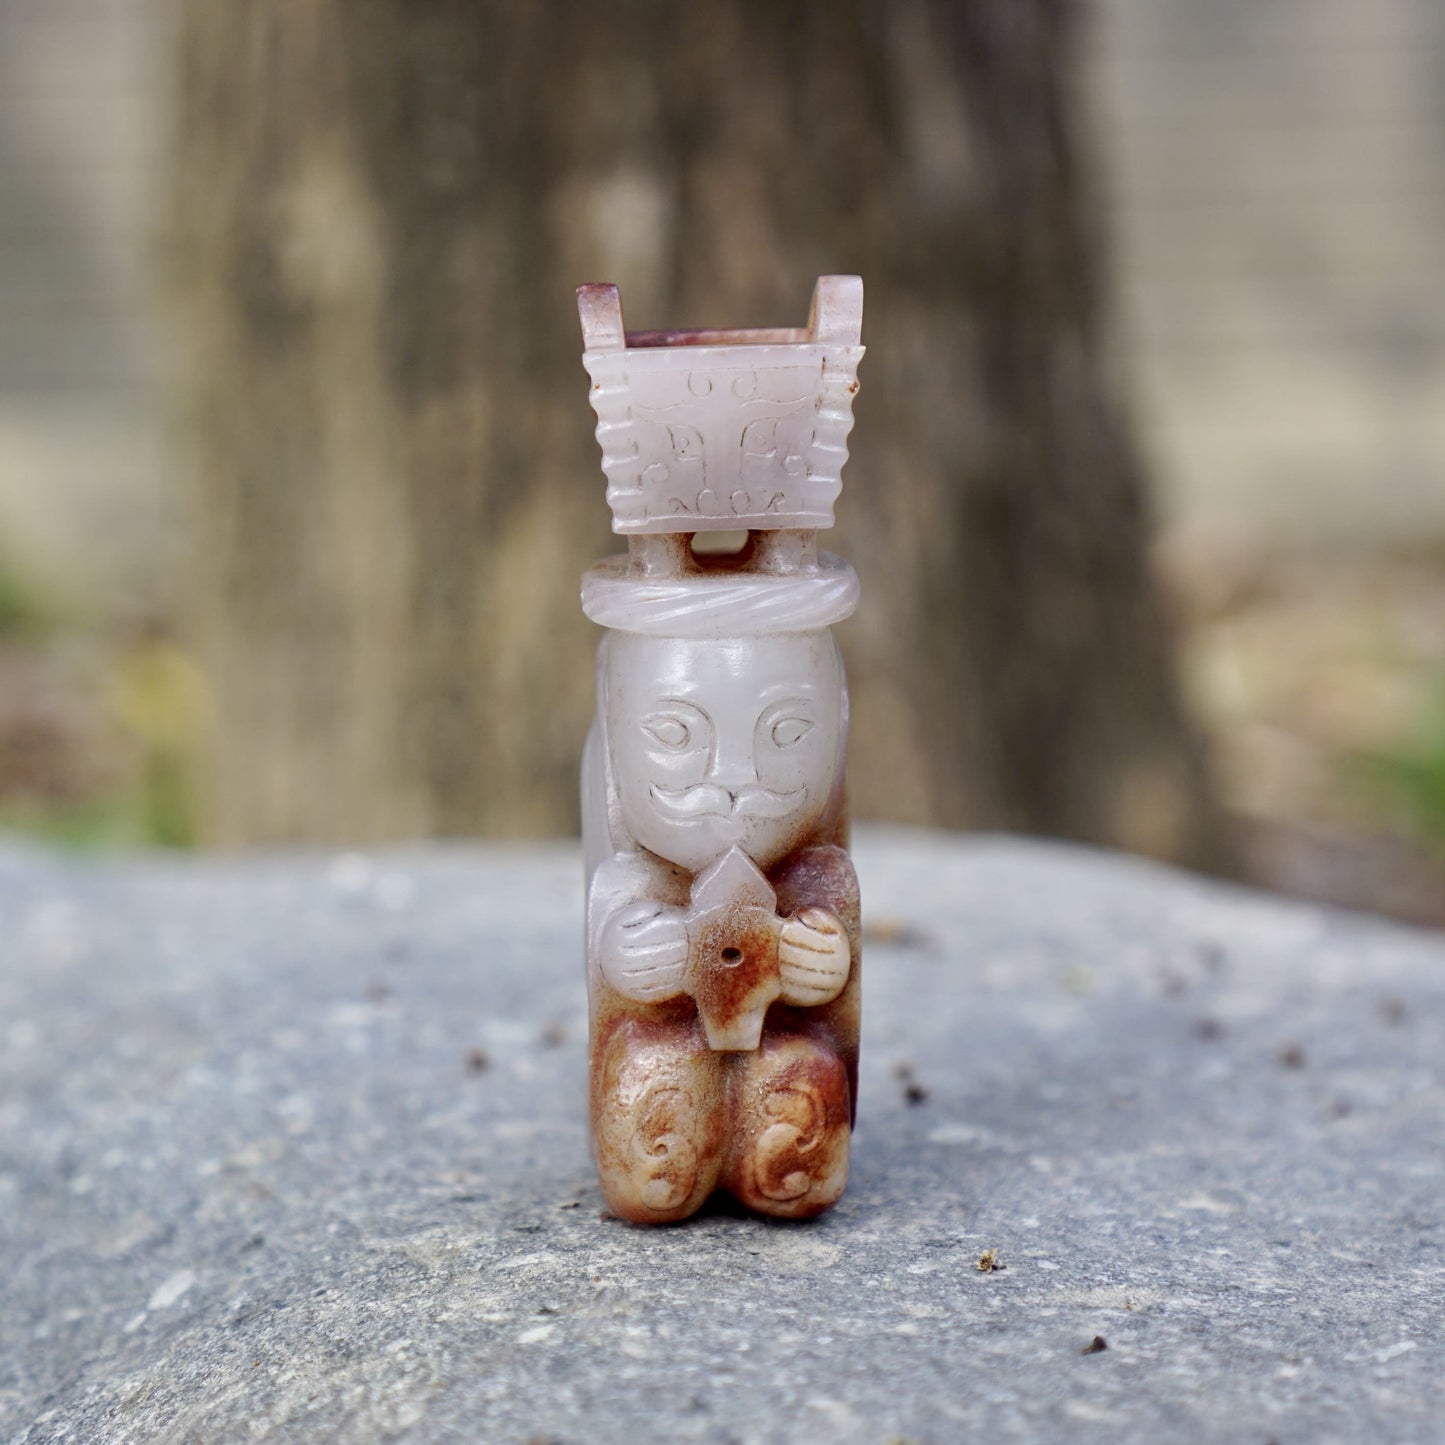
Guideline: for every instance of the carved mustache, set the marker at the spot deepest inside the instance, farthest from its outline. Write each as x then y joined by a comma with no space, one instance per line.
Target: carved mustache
707,800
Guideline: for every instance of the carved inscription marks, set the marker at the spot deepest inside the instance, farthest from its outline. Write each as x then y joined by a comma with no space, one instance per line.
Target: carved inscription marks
707,503
727,443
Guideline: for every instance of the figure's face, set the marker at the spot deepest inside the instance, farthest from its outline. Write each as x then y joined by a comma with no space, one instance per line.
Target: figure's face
717,744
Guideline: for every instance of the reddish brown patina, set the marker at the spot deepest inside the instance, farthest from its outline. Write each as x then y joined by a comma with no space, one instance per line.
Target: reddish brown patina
731,336
792,1105
735,974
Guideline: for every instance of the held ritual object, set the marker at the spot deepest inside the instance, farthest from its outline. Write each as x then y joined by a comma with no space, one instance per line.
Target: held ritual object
722,907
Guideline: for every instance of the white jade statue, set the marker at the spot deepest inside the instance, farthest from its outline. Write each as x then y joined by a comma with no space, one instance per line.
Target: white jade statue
722,909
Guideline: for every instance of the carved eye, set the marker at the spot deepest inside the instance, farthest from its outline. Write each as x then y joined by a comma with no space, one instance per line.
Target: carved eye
671,732
790,730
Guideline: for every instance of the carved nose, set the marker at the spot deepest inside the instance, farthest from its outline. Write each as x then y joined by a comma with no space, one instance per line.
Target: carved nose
733,773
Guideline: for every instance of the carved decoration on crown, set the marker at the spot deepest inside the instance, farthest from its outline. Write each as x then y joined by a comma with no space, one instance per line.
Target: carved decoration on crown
724,430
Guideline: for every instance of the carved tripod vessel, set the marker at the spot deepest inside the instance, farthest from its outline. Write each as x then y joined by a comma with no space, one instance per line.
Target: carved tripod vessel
722,906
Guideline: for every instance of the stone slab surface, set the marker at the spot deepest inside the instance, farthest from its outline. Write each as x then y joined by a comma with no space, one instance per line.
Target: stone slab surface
292,1149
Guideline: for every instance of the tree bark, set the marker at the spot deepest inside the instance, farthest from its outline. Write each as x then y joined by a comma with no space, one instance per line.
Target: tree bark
383,208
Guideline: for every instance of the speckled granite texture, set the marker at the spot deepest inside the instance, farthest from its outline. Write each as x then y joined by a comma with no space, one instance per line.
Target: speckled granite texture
292,1149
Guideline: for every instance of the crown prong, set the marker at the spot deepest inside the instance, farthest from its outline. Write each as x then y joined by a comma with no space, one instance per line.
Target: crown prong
599,307
835,317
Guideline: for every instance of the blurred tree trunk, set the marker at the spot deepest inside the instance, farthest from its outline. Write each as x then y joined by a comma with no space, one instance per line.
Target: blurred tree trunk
382,208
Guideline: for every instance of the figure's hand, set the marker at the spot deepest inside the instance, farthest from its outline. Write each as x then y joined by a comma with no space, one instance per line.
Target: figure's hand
643,951
813,957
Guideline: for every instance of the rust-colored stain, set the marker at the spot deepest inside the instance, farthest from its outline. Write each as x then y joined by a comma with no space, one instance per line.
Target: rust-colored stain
735,973
657,1120
792,1108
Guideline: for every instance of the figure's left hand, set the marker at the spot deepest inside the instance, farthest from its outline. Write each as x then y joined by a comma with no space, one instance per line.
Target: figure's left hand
813,957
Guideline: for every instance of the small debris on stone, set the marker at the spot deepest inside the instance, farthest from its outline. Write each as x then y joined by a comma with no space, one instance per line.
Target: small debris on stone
378,992
1292,1056
478,1061
1096,1346
553,1036
896,933
1209,1030
988,1262
1174,984
569,1204
1211,956
1392,1010
913,1092
1340,1108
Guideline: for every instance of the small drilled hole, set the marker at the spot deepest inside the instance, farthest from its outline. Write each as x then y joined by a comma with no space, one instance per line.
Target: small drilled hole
732,955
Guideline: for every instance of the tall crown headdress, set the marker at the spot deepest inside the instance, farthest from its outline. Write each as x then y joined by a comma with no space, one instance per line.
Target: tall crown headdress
723,430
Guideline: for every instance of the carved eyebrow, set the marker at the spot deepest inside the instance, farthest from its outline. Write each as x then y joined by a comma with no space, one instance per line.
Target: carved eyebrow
790,692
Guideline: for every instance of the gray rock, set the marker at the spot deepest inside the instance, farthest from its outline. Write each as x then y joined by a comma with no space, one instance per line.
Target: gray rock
292,1148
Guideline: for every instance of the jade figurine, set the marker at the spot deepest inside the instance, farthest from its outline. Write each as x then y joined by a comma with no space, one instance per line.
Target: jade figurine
722,905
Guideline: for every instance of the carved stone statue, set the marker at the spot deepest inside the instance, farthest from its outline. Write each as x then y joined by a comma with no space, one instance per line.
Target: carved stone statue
722,907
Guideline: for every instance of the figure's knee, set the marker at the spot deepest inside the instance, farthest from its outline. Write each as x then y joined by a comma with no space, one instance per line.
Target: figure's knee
792,1107
658,1117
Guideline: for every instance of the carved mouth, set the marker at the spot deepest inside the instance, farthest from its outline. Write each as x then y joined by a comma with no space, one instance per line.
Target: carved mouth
705,800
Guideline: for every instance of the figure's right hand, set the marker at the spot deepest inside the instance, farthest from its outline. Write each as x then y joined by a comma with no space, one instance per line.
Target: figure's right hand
643,951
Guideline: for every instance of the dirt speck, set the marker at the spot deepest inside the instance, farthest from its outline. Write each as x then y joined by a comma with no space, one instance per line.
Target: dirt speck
897,933
913,1092
1096,1346
988,1262
478,1061
1292,1056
